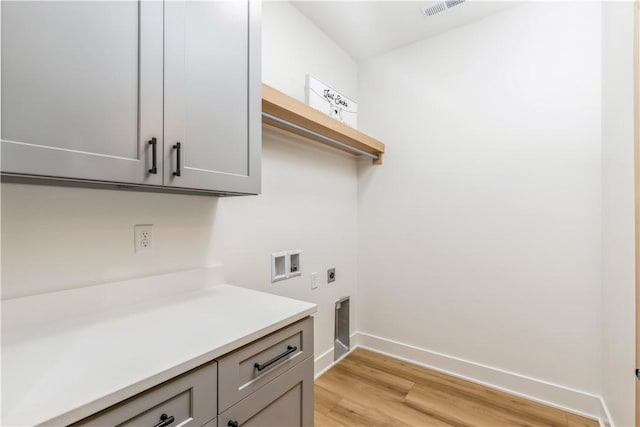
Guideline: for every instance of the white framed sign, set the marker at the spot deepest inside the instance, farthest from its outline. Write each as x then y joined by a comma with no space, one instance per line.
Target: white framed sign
331,102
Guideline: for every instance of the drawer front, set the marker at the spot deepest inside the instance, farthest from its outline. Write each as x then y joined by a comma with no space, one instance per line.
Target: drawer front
190,399
287,401
247,369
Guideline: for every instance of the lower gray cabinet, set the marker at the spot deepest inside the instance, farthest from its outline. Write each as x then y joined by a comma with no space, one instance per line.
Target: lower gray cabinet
268,382
249,368
287,401
188,400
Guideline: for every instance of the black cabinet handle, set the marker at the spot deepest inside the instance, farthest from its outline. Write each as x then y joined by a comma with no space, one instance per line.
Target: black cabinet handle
154,155
165,420
290,349
232,423
177,147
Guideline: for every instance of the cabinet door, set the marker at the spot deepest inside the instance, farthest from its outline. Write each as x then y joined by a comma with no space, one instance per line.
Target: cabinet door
287,401
213,95
82,89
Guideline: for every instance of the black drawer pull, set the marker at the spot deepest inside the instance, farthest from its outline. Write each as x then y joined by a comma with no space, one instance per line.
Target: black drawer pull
290,349
177,147
154,155
232,423
165,420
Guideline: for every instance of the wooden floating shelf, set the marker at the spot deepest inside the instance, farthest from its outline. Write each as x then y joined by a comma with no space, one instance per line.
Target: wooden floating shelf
293,114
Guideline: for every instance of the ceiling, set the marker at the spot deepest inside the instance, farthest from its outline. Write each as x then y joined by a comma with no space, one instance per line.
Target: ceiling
368,28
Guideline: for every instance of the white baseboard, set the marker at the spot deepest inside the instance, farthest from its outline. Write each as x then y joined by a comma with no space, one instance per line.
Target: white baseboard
324,361
555,395
605,416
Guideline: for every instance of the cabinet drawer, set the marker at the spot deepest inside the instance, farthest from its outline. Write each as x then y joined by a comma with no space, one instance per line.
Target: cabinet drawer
286,401
252,366
190,399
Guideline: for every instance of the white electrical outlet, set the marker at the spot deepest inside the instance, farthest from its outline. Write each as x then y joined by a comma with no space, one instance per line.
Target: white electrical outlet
143,235
314,280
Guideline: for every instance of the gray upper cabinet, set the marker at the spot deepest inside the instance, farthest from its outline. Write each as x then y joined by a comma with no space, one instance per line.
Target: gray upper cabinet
213,95
81,89
88,85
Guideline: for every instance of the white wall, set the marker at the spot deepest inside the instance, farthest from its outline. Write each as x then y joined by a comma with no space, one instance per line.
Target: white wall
480,237
55,238
58,238
309,198
292,46
618,275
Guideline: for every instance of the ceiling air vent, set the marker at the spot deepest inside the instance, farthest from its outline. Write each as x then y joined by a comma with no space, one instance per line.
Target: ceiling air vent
452,3
441,7
436,8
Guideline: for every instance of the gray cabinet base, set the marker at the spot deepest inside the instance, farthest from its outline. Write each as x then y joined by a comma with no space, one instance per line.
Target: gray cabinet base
67,182
287,401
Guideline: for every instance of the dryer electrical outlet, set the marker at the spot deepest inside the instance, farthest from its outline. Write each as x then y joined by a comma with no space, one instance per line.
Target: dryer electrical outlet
331,275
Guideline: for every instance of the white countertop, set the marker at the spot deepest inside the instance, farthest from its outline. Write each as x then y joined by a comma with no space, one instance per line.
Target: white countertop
66,366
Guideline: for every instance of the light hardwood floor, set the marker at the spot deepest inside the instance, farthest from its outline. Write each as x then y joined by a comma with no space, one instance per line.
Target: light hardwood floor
369,389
